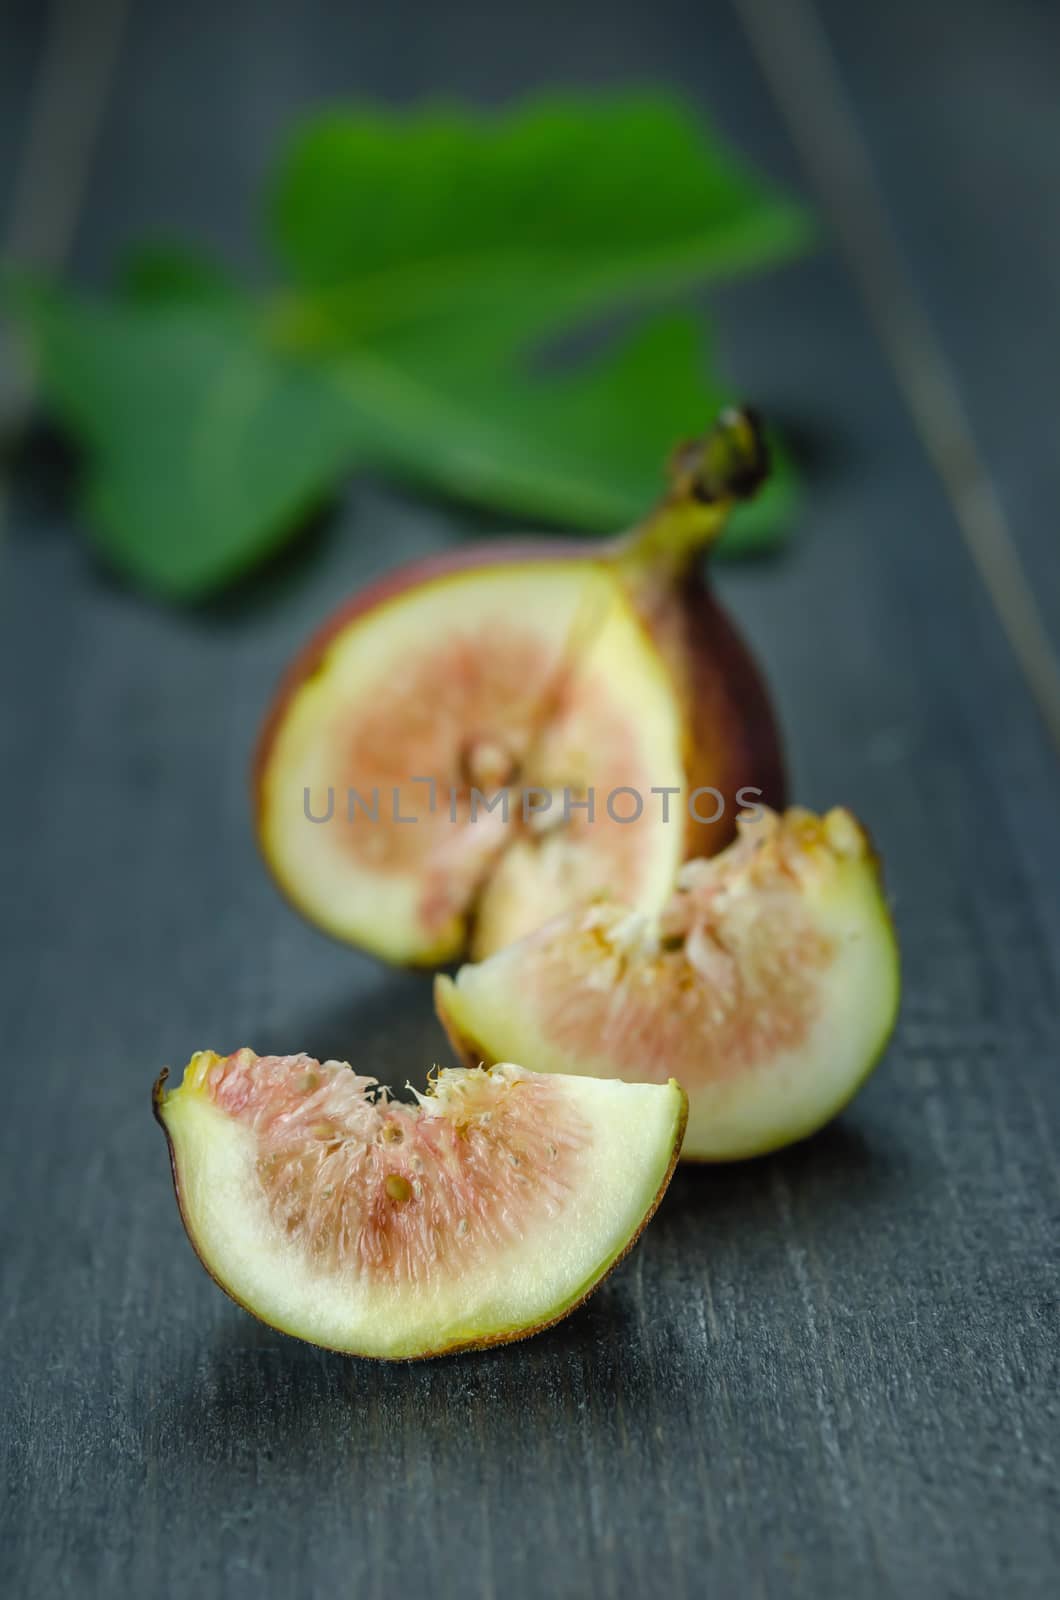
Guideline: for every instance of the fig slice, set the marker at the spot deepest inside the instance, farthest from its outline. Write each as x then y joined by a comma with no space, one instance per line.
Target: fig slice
484,1212
461,750
768,986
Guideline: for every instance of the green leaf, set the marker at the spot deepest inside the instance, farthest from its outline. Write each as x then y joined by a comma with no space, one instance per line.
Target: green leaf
471,237
588,448
428,254
204,447
519,223
167,273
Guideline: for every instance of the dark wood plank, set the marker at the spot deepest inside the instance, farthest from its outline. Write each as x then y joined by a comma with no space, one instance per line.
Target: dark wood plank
959,103
830,1372
891,248
23,30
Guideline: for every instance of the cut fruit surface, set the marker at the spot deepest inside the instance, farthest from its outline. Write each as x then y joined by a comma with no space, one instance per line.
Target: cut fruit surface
487,1210
488,683
768,986
480,742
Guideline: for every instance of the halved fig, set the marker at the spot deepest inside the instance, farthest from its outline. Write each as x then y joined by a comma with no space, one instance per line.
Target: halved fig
481,1214
483,740
768,986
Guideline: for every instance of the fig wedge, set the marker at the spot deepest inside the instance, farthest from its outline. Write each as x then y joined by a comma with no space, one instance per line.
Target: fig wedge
483,1213
768,986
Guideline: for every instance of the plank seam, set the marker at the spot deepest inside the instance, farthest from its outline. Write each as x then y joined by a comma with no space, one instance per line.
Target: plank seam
71,90
799,64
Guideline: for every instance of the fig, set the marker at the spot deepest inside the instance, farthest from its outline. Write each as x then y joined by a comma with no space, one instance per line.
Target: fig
486,1211
482,740
768,986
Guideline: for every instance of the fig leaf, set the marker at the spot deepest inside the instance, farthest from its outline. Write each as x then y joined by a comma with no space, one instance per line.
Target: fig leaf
428,255
515,225
204,448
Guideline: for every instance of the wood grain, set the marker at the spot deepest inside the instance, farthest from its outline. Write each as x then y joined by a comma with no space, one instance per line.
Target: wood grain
805,75
830,1372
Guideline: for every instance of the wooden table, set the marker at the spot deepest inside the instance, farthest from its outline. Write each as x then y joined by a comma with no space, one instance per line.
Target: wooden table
833,1372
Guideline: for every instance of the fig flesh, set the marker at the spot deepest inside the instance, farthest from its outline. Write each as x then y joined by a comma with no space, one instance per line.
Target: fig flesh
768,986
488,1210
481,741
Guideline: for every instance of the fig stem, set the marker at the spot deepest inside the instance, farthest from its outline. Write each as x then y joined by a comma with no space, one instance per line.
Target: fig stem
708,476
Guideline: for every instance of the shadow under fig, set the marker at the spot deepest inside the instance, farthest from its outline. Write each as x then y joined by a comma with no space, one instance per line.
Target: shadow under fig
250,1387
837,1179
247,1391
